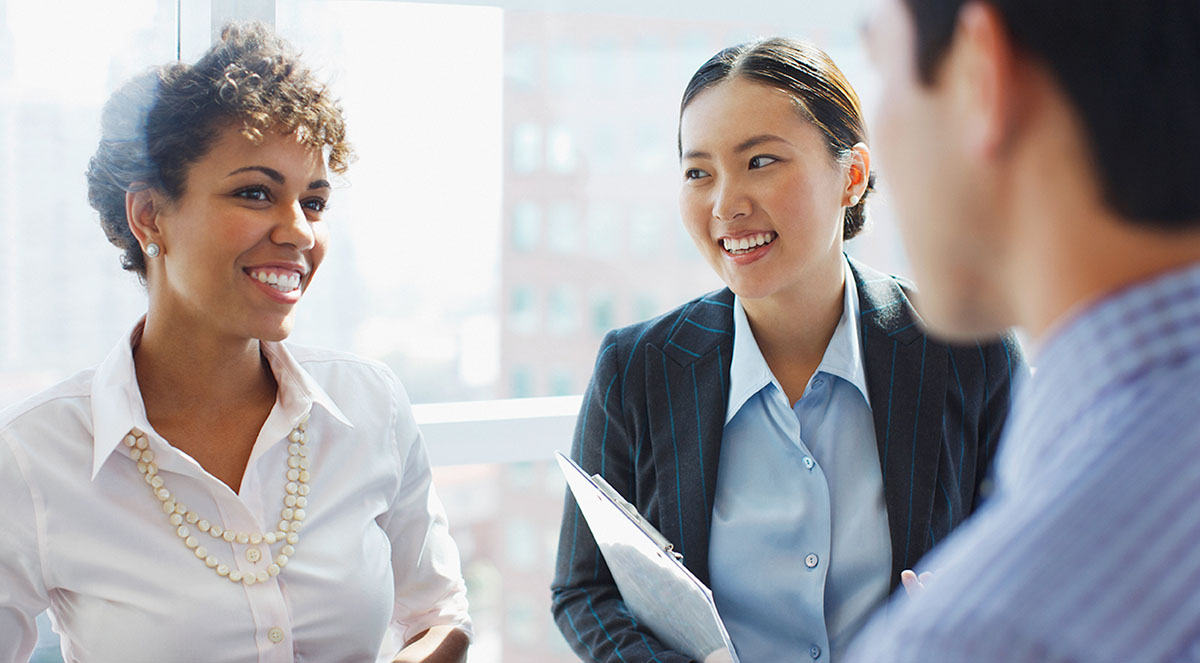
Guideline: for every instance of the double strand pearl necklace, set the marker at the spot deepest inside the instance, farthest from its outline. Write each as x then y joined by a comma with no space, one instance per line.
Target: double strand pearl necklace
295,501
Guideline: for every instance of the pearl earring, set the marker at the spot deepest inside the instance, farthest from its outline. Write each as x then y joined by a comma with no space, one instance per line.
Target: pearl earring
152,250
853,200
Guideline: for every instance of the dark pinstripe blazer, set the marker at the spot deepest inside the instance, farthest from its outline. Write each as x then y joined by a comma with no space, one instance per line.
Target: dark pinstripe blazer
652,421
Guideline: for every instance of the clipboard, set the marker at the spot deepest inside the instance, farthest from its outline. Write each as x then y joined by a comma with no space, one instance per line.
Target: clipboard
661,593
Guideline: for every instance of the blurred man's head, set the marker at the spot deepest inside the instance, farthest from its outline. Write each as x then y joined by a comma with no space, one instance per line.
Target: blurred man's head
1003,124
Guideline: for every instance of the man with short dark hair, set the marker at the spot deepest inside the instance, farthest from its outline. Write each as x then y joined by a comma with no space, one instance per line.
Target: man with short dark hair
1043,158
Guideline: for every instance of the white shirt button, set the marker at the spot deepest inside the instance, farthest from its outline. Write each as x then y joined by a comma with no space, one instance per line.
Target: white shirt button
811,560
808,463
275,635
253,554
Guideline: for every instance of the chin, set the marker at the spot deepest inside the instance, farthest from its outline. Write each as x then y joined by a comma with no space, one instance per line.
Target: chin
276,332
962,319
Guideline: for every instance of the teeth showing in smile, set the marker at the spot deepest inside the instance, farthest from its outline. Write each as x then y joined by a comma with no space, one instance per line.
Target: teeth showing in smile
747,244
281,281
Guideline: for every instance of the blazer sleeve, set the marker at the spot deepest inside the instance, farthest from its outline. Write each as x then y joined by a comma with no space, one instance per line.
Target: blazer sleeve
1004,370
584,599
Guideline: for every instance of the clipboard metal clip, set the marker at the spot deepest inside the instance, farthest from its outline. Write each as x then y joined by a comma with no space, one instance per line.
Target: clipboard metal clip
661,541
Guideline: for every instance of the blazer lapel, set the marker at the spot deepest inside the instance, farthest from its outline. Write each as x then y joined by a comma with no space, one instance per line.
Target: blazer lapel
906,381
691,375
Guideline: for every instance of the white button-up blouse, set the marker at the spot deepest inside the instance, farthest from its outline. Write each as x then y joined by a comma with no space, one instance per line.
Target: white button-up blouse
83,534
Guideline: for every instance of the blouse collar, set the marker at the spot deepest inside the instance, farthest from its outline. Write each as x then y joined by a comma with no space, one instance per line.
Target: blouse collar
117,405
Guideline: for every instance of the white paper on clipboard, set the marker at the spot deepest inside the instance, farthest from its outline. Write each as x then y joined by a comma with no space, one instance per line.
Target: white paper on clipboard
663,595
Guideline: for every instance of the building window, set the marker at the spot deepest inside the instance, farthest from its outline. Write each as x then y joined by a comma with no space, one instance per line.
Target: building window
522,382
526,148
645,231
604,228
560,150
564,228
526,226
644,307
603,313
560,382
521,67
523,315
563,310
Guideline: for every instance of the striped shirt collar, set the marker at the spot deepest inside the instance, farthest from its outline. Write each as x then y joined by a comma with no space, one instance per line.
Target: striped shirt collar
1113,343
748,370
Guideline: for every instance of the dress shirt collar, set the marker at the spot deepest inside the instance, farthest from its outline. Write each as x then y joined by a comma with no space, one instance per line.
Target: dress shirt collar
117,404
1115,341
748,370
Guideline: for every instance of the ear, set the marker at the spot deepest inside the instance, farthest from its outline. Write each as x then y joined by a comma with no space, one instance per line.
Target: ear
983,77
142,207
858,174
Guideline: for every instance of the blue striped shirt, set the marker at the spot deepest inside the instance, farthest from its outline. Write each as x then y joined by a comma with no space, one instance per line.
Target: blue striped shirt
1089,550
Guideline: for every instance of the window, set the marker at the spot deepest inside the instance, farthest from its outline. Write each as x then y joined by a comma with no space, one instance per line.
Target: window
564,228
562,310
605,231
563,115
645,228
524,313
561,153
526,226
526,148
602,312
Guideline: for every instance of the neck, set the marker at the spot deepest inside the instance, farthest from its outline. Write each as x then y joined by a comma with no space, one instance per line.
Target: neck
1055,285
196,374
793,328
1067,248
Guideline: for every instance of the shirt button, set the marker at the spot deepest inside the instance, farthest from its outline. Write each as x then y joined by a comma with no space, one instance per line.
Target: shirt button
814,651
818,382
275,635
811,560
808,463
253,554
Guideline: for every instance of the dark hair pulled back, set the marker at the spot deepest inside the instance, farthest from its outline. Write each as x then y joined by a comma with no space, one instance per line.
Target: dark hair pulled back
820,91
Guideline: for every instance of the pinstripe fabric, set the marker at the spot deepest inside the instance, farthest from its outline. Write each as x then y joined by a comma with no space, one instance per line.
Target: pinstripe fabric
1090,550
653,417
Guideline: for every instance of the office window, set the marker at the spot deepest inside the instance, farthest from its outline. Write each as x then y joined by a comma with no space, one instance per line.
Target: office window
603,313
645,307
561,382
526,226
645,229
605,230
526,148
524,316
562,155
522,382
562,310
458,113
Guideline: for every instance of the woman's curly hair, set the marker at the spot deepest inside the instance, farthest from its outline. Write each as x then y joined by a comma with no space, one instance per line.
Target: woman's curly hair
161,122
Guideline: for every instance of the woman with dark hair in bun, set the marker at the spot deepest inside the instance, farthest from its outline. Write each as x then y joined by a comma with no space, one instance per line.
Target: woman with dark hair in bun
796,435
208,492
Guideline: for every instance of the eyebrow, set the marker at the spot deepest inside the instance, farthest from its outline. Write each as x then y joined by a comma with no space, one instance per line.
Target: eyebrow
741,147
278,177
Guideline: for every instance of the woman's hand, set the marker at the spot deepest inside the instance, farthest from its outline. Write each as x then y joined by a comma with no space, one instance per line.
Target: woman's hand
915,584
440,644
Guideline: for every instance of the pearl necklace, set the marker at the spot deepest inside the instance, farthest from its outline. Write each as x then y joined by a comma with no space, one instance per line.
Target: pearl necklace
295,501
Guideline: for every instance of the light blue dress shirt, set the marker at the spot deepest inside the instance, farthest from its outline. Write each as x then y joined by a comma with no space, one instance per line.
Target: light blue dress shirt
799,548
1089,548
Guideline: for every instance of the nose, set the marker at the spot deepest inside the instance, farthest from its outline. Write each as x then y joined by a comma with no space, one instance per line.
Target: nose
294,228
730,201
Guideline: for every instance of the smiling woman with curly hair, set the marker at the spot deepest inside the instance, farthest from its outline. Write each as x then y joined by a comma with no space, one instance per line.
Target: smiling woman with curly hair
209,492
